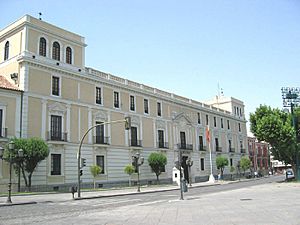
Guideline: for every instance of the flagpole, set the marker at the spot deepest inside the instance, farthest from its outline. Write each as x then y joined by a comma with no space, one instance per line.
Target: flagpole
211,177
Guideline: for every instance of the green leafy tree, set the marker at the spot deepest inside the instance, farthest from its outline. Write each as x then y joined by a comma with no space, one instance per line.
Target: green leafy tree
275,127
157,161
232,169
129,169
245,163
221,162
95,171
35,150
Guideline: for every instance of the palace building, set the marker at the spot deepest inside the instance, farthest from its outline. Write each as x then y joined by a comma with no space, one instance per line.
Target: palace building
47,91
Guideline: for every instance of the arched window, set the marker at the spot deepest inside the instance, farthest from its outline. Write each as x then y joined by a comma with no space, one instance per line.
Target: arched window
43,45
56,51
6,50
69,55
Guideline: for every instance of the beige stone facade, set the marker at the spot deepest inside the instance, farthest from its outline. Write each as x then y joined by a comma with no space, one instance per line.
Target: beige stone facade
60,98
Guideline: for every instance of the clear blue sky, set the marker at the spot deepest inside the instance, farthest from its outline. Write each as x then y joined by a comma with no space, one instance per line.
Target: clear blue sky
250,47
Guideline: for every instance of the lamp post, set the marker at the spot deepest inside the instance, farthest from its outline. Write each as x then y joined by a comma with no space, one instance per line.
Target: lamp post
189,163
239,167
138,161
20,156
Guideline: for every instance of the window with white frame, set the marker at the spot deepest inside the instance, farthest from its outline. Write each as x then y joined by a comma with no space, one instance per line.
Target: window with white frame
56,51
202,164
43,47
100,162
98,96
146,106
132,103
2,130
158,109
55,164
199,118
116,99
6,50
68,55
56,128
161,139
55,86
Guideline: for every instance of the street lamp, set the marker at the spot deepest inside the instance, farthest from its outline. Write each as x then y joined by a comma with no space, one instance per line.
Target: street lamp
20,156
189,163
239,167
137,162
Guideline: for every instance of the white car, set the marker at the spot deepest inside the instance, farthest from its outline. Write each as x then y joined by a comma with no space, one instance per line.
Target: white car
289,174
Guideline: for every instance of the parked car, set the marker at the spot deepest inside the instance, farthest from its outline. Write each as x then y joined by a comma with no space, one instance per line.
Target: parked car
289,174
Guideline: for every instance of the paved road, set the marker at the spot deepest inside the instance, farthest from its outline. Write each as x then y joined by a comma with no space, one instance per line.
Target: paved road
222,204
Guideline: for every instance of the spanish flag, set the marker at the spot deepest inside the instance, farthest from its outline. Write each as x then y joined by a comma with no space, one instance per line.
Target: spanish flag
207,134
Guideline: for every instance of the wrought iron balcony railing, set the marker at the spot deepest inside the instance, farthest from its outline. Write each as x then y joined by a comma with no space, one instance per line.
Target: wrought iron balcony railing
243,150
162,144
57,136
101,140
185,146
3,133
218,149
135,143
202,148
231,149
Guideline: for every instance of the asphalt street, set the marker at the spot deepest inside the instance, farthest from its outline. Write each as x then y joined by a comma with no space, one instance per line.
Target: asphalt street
262,201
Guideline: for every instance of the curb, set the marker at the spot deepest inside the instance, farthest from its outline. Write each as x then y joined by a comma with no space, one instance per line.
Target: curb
18,203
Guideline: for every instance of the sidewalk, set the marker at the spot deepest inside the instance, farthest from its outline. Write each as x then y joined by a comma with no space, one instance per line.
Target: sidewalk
62,197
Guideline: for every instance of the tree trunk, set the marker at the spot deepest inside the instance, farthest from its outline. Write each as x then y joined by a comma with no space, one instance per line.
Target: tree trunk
29,181
24,176
129,180
94,184
157,179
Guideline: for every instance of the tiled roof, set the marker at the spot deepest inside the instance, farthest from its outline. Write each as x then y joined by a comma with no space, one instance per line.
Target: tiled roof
4,83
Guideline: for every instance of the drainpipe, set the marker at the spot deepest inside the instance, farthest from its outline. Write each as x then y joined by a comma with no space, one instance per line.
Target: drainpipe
21,112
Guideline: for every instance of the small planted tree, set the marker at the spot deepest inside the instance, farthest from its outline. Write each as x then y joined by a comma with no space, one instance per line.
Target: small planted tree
95,171
221,162
34,151
157,161
232,169
245,163
129,169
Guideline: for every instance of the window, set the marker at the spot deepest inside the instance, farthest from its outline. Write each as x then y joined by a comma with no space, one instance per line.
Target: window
161,140
202,164
43,46
56,51
229,145
201,147
234,110
146,106
55,86
134,140
222,125
68,55
206,119
199,118
240,112
56,128
231,163
55,164
6,50
100,134
241,146
217,144
228,125
215,121
98,96
239,127
116,99
159,109
182,140
100,162
132,103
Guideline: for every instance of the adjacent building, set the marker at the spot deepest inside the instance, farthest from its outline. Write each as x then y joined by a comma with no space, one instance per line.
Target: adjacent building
259,155
48,92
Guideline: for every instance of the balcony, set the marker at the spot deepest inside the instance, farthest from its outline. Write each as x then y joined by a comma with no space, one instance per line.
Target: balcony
185,146
3,133
218,149
202,148
101,140
243,150
135,143
162,144
57,136
231,150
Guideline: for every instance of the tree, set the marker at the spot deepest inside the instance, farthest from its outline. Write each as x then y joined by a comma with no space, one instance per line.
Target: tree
275,127
245,163
221,162
129,169
157,161
35,150
232,169
95,171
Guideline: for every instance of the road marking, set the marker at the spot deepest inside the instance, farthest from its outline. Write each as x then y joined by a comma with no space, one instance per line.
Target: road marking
117,202
151,203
